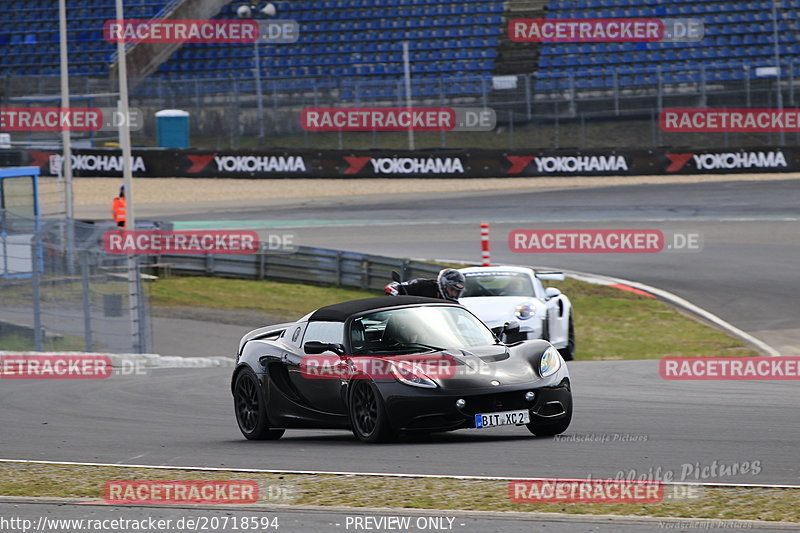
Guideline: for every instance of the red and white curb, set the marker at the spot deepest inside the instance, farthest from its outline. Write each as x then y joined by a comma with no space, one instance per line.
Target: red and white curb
654,292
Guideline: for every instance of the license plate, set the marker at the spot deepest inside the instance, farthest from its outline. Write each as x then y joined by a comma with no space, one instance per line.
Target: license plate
505,418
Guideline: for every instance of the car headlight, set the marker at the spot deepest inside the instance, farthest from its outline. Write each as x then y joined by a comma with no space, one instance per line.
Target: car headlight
524,311
406,373
550,362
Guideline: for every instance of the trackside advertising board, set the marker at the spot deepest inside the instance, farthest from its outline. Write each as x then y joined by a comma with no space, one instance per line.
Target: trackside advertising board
419,164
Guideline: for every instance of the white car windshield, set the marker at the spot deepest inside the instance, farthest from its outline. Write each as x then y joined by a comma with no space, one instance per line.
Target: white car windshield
498,284
418,329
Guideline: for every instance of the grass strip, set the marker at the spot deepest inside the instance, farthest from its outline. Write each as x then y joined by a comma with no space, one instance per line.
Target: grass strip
722,503
610,324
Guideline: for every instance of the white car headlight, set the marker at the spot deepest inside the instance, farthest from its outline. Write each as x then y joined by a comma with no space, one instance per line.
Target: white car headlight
550,362
406,373
524,311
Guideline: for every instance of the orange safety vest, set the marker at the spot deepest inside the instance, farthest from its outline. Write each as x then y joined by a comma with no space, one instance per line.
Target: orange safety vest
119,209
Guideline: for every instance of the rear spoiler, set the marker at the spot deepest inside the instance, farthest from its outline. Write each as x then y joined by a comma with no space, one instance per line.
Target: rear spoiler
551,276
260,333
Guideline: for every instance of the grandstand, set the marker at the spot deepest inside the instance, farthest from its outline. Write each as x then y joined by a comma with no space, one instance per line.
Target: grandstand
359,40
349,40
738,38
29,35
350,51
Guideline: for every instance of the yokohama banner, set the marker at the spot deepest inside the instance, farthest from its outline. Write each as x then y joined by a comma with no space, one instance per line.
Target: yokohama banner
418,164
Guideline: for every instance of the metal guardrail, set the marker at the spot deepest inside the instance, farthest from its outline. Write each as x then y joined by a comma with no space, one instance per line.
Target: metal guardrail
306,265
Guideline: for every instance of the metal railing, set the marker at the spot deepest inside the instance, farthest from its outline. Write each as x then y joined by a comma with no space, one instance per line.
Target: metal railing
556,110
307,265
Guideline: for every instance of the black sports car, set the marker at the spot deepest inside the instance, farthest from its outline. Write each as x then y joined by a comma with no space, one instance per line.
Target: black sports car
381,366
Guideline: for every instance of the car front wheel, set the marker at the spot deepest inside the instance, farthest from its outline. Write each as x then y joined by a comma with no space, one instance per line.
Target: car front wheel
368,417
251,409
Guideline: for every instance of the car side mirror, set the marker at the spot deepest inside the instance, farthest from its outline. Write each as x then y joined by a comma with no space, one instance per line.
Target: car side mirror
552,292
511,327
316,347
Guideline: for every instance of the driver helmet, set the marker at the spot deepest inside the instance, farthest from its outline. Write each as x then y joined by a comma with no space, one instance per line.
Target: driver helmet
451,283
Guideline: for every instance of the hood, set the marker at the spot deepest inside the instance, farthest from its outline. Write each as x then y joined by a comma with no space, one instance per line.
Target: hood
476,368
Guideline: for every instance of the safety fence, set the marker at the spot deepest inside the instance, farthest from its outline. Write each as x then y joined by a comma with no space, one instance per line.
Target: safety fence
60,291
608,105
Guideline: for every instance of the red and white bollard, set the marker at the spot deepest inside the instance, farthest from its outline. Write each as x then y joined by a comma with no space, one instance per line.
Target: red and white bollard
485,256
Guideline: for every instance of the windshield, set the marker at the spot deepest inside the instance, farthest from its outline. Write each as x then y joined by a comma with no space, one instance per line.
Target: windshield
417,330
498,284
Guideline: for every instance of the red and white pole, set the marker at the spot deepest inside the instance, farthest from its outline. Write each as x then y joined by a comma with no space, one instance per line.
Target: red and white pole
485,256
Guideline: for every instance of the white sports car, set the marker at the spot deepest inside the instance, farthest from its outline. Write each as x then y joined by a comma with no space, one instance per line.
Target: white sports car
502,295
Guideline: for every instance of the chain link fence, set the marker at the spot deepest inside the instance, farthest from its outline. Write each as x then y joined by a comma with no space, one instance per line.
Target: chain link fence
62,292
539,111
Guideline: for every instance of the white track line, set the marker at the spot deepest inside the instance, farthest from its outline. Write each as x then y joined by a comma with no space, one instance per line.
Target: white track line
374,474
679,302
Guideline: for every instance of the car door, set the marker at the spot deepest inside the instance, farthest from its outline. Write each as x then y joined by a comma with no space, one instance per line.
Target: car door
322,392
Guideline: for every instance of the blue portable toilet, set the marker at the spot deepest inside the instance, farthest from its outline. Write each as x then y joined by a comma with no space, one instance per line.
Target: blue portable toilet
172,128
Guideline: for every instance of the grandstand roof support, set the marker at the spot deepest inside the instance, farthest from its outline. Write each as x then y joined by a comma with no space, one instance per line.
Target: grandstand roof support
66,136
776,44
407,76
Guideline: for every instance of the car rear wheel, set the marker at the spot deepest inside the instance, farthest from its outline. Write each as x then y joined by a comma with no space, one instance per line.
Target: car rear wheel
568,351
368,417
251,409
548,429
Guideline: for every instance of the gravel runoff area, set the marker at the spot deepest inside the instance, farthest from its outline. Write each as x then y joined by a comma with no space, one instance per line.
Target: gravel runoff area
99,191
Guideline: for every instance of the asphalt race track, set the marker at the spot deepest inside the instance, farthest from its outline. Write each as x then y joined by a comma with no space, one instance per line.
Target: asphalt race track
746,272
626,418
